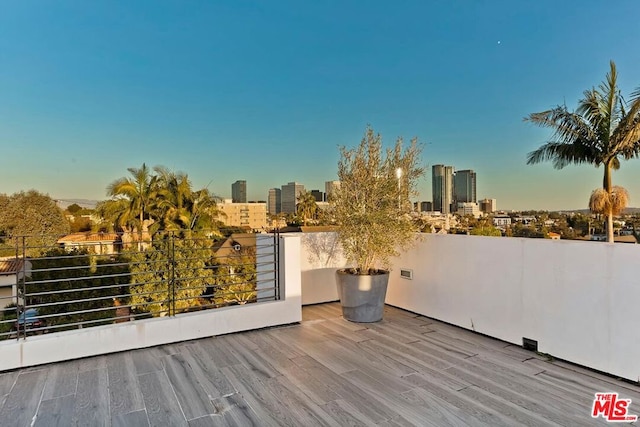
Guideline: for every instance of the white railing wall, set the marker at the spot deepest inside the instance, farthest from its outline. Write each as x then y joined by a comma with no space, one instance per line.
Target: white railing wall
59,346
578,300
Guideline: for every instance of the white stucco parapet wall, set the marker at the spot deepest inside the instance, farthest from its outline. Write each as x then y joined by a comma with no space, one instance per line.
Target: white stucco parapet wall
54,347
321,256
577,299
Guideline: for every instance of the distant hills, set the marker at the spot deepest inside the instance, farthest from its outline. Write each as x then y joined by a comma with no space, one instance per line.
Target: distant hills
627,211
83,203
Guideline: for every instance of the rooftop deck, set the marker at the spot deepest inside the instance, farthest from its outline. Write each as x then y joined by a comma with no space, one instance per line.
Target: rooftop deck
405,370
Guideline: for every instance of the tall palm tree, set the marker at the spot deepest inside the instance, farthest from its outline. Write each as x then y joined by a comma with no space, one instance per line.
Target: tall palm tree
138,193
604,129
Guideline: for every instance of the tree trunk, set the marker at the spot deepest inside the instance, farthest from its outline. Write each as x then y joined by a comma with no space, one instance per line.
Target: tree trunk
607,187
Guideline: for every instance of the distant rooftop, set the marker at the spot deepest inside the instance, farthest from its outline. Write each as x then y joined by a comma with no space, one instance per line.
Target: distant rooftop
10,266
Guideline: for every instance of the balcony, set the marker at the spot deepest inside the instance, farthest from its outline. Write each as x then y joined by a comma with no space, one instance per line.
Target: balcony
573,299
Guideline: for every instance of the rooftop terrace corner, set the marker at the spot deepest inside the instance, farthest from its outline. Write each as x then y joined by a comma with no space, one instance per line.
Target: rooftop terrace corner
576,299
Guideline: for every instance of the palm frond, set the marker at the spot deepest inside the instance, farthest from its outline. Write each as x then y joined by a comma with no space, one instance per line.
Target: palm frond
619,199
603,202
599,201
563,154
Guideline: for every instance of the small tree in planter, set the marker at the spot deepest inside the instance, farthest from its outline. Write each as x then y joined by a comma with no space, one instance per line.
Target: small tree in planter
373,210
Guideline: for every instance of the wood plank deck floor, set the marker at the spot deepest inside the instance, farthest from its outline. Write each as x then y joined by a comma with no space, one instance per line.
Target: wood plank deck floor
405,370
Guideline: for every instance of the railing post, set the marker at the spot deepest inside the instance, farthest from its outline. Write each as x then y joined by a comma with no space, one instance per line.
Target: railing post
276,251
21,291
172,274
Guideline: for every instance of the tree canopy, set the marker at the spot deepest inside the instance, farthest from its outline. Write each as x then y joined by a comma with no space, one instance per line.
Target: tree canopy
158,199
372,206
33,215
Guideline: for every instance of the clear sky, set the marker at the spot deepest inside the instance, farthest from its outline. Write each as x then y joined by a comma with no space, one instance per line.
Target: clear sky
267,91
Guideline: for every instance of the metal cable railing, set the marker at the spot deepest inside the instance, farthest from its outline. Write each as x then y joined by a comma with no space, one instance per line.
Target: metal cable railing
78,284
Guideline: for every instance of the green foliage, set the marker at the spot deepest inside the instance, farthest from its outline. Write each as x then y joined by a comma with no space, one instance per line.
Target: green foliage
8,314
520,230
485,230
34,216
84,276
235,278
580,223
171,269
160,200
80,224
372,207
74,208
307,208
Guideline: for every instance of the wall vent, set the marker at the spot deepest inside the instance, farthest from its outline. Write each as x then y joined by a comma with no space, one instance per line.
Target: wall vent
529,344
405,273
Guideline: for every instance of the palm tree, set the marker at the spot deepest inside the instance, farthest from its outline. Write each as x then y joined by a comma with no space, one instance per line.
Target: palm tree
604,129
173,191
135,197
182,208
307,208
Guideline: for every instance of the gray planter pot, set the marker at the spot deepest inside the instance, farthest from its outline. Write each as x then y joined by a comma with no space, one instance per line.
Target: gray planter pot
362,297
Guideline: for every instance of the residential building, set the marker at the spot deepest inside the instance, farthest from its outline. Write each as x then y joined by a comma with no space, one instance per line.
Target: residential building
249,215
274,201
98,243
239,191
12,270
464,186
469,208
502,220
488,205
442,186
329,189
289,196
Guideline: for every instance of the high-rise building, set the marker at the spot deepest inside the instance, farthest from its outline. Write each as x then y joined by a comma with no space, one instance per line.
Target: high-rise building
426,206
318,195
488,205
239,192
329,188
442,186
464,186
289,197
274,201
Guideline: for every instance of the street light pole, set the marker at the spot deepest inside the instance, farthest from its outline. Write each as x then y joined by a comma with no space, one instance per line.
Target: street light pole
399,175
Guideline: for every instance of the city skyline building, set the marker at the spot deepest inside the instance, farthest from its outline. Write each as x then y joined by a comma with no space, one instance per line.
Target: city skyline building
464,186
274,201
468,208
426,206
289,196
488,205
318,195
239,191
442,188
329,188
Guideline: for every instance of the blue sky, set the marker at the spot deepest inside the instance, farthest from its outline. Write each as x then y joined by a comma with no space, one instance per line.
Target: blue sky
267,91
